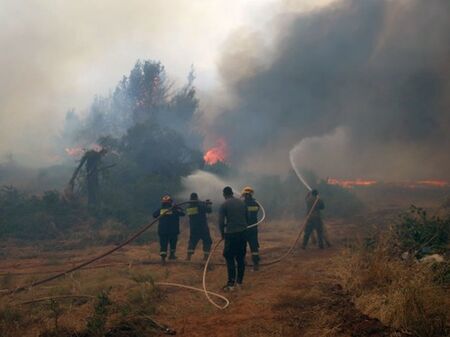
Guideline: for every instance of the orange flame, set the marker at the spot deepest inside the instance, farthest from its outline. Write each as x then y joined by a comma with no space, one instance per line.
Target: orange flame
75,151
348,183
433,183
218,153
78,151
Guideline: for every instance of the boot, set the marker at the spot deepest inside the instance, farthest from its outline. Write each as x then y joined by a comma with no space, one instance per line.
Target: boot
172,256
255,260
163,260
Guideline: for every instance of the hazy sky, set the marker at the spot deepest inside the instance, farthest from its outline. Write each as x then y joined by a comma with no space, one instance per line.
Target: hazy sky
58,54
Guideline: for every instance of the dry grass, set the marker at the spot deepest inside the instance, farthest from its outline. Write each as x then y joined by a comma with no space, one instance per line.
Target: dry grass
399,293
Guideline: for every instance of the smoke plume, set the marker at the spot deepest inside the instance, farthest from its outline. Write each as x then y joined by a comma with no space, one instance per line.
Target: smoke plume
360,88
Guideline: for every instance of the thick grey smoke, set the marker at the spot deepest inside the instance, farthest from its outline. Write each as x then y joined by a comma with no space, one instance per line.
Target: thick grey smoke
363,88
56,55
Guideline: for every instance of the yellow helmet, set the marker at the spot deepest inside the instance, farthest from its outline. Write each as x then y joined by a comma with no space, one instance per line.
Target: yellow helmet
247,190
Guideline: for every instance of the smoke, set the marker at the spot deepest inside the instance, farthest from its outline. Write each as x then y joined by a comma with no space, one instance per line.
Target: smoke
56,55
206,185
360,88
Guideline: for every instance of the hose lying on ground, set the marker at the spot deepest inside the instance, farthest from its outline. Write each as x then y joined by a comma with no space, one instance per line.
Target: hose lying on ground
90,261
145,228
205,269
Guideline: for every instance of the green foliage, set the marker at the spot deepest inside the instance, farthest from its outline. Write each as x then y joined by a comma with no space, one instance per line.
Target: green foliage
417,231
56,312
10,321
142,299
96,324
146,127
33,217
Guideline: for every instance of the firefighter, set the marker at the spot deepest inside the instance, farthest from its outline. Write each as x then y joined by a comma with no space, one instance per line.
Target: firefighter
252,218
315,220
233,225
168,227
198,224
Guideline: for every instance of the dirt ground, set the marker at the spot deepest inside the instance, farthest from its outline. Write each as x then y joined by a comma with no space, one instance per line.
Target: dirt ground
299,296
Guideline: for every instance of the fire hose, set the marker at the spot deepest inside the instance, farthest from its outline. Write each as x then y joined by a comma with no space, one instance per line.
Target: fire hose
90,261
207,293
205,270
291,248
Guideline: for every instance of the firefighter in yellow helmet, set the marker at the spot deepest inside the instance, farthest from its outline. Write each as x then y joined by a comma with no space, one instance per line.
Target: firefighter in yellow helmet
168,227
252,208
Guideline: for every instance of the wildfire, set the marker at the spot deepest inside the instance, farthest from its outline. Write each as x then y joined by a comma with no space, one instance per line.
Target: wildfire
218,153
348,183
75,151
78,151
431,183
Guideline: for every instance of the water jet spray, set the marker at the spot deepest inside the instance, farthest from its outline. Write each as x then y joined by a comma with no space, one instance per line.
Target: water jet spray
291,158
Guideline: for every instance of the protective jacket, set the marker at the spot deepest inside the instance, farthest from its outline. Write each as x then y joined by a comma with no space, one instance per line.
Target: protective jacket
169,223
232,216
310,200
314,222
197,217
252,210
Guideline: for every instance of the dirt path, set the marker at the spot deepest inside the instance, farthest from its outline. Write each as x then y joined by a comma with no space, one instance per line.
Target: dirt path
297,297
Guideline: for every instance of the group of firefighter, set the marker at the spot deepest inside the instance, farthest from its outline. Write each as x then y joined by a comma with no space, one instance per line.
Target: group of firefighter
238,219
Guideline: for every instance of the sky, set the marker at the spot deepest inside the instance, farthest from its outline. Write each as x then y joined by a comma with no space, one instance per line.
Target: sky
57,55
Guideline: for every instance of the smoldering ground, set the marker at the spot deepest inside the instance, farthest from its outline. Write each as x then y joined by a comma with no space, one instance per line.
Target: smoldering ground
361,86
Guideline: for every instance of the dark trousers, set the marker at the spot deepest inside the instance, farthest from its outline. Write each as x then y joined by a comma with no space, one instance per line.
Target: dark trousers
234,253
314,224
165,240
252,239
195,237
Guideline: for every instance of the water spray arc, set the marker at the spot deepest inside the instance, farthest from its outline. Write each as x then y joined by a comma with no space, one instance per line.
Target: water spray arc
297,172
209,294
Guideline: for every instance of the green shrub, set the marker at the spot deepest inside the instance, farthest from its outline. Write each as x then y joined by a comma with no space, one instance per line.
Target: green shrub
418,232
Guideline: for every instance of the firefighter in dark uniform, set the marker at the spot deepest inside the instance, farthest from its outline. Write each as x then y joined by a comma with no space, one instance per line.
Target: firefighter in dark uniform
315,220
198,224
168,227
233,224
252,218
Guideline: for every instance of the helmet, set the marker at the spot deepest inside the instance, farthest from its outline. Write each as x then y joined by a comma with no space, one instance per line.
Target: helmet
247,190
166,199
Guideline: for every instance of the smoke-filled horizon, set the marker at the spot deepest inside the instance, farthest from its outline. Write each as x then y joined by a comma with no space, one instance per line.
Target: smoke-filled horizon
350,89
58,55
355,89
